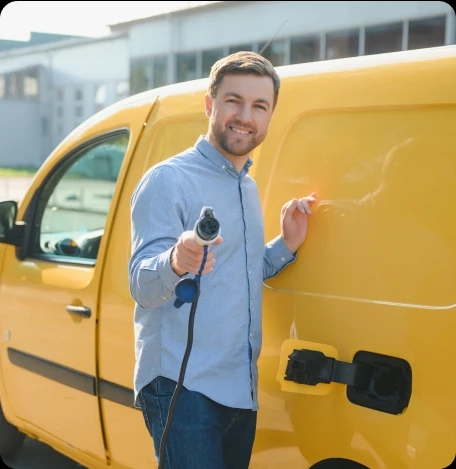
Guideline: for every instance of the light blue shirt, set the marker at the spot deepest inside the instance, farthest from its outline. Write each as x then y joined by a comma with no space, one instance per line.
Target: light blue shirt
227,329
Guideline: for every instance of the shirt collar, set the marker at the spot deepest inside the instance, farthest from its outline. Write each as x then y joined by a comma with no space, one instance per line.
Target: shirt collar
218,159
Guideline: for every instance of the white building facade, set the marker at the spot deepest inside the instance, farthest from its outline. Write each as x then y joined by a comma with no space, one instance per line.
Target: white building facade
46,91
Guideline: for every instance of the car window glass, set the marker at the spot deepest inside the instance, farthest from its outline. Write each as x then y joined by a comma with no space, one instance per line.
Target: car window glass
75,203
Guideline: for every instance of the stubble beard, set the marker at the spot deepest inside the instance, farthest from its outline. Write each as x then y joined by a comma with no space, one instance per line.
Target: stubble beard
235,146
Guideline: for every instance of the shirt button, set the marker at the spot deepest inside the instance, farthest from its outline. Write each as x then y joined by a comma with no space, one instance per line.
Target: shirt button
250,335
164,297
282,259
223,167
250,272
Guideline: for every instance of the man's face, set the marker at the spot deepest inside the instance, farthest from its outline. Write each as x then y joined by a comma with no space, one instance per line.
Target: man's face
240,114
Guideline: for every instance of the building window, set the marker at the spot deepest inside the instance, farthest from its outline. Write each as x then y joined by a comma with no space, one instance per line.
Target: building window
160,74
44,126
342,44
427,33
78,111
148,73
30,86
59,94
240,47
2,86
13,88
185,67
304,49
100,98
274,52
122,90
209,57
141,75
78,95
382,39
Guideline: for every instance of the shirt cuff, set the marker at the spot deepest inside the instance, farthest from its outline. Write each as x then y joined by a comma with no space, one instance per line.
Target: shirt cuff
166,272
278,253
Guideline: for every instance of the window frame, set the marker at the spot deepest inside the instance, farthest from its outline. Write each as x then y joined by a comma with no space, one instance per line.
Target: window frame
35,211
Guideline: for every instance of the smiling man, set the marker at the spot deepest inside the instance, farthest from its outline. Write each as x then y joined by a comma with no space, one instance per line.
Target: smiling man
214,423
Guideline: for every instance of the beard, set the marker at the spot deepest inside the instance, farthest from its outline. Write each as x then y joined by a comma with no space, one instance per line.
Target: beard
232,145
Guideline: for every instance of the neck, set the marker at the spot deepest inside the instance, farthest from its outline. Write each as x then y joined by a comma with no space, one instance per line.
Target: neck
237,161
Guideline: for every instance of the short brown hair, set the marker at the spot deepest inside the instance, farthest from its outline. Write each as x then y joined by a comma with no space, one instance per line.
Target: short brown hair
244,63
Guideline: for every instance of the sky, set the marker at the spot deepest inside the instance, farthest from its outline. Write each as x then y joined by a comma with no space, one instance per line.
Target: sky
84,18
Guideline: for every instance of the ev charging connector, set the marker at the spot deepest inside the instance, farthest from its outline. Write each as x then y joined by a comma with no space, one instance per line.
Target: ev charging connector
205,232
207,228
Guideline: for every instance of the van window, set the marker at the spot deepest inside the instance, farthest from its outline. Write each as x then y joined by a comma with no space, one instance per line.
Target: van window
75,200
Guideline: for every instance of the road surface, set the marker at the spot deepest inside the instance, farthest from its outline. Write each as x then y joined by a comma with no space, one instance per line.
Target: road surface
37,455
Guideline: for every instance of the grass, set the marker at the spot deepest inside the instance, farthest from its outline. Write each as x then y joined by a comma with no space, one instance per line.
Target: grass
17,172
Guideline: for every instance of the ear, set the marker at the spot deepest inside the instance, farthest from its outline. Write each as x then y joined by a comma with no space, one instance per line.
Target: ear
208,105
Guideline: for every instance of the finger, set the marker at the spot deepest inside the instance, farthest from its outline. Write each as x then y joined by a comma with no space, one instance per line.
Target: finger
192,247
288,210
310,199
304,207
209,266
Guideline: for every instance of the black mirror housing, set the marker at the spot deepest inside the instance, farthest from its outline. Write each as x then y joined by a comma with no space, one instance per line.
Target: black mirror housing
11,232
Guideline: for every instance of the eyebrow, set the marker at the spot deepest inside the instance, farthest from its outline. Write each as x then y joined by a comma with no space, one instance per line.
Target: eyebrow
238,96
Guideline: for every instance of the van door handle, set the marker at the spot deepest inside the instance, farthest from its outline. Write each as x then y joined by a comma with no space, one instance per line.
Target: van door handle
81,311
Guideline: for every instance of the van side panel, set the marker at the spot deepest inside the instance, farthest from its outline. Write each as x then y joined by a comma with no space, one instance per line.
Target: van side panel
377,272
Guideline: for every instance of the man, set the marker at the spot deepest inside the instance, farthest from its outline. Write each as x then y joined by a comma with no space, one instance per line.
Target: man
215,417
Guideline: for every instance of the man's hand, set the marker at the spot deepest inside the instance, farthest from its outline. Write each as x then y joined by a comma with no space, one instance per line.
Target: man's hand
187,255
295,221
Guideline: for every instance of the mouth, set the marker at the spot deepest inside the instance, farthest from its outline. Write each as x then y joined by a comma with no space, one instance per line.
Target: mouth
240,132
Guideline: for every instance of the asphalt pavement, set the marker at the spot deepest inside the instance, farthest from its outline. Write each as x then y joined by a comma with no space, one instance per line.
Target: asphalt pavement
37,455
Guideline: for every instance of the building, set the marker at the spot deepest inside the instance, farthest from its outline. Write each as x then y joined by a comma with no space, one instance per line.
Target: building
45,91
182,45
34,39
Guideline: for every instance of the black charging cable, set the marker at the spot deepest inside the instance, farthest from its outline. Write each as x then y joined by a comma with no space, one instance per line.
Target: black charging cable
187,290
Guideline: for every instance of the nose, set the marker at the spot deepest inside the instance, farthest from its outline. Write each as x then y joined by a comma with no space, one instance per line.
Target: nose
244,113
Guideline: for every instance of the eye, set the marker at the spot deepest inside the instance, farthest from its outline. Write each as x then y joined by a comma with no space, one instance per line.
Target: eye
260,106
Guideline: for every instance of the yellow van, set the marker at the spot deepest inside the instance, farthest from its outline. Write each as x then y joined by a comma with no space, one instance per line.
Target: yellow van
357,365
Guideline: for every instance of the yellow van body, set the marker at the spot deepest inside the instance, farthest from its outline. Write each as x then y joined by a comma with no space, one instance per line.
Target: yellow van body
373,288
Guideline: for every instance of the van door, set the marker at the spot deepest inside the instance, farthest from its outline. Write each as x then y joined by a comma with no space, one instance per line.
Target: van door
50,288
358,332
49,299
170,130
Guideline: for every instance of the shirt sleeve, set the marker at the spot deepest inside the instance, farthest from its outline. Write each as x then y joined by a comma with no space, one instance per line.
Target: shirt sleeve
276,257
156,223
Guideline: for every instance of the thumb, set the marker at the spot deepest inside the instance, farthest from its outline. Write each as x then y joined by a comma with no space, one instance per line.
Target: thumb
219,240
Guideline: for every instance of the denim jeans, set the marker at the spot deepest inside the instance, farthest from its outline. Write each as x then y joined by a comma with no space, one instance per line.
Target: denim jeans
203,435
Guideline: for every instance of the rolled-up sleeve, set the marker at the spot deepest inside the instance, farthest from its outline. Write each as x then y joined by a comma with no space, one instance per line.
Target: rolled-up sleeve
156,223
276,257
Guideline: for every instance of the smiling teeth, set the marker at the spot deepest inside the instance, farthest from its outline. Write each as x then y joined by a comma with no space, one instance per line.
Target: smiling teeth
243,132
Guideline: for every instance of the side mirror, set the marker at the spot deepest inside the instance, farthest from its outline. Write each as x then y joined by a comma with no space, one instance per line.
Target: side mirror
11,232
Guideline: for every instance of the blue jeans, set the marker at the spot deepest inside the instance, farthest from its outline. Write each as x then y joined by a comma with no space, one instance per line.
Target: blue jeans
203,435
